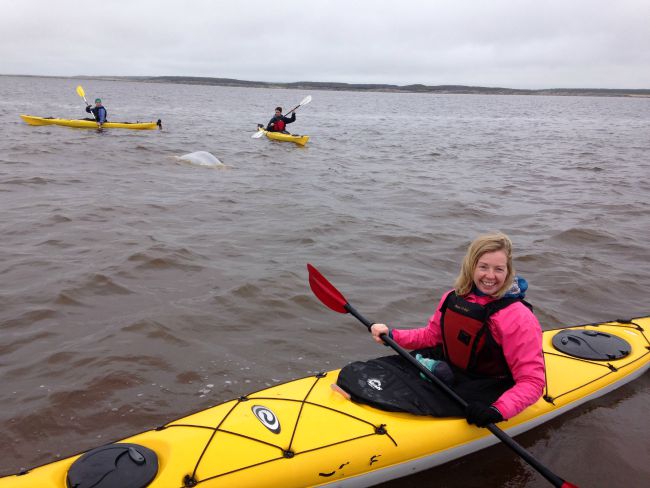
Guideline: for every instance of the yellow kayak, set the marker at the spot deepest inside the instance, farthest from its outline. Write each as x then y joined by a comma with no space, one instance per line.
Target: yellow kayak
304,433
284,137
90,124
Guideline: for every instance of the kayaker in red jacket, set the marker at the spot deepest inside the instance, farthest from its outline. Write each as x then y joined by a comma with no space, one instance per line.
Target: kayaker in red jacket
279,122
512,343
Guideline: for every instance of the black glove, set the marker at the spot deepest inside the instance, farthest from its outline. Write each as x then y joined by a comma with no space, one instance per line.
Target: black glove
481,414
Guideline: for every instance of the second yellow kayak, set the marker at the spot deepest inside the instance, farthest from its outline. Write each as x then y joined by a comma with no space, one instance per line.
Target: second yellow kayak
284,137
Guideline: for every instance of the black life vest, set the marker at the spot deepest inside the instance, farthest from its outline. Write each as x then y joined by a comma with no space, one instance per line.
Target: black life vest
466,338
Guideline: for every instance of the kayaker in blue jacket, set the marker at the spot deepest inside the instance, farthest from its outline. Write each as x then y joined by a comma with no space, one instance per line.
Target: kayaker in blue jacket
279,122
98,111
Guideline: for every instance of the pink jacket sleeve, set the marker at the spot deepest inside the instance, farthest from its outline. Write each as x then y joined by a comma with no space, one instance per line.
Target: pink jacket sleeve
518,332
428,336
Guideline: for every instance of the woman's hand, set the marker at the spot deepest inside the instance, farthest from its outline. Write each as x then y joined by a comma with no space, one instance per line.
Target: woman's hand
378,329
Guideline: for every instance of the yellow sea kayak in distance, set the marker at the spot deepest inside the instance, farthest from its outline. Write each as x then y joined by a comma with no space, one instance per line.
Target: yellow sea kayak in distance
304,433
285,137
90,123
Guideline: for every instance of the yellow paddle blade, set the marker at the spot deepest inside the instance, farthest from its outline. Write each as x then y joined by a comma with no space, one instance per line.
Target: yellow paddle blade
81,92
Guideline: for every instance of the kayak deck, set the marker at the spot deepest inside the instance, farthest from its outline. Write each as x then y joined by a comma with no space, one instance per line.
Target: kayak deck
90,123
303,433
284,137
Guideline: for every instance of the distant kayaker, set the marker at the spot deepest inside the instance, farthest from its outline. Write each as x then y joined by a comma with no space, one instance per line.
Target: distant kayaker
279,122
98,111
485,331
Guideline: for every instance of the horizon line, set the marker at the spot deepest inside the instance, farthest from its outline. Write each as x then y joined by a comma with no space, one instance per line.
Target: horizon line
327,85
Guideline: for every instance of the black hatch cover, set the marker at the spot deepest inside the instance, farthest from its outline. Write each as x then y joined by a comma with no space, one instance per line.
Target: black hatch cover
113,465
591,344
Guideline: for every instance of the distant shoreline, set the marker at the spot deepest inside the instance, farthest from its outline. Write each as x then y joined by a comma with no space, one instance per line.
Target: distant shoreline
369,87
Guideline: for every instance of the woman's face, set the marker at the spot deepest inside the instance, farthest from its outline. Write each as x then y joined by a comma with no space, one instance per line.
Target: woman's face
490,272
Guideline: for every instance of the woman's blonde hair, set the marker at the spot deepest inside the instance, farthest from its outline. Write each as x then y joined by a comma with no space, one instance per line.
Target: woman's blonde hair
497,241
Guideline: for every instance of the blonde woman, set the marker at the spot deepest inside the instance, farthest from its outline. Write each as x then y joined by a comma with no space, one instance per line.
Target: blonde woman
487,334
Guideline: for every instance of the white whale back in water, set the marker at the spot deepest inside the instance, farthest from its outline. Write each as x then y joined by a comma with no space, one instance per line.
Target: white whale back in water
202,158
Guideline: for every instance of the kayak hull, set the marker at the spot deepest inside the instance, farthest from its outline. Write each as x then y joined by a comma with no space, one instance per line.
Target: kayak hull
281,136
89,124
310,435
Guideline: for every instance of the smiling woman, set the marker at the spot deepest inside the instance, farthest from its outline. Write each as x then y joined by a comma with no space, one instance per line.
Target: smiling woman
487,266
484,328
490,272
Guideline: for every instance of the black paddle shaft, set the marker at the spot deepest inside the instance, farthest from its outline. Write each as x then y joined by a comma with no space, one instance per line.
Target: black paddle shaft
500,434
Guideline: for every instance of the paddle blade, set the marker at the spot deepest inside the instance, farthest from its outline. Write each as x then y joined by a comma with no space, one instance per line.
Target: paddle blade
81,92
305,100
325,291
258,134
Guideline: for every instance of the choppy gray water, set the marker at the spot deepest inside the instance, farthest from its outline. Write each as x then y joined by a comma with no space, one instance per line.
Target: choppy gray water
136,288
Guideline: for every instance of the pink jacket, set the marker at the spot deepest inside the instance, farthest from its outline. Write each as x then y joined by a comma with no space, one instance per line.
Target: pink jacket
519,334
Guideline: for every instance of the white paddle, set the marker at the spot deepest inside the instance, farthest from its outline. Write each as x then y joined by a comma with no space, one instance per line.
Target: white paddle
305,101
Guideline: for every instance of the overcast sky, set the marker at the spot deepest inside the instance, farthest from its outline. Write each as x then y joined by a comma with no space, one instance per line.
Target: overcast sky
506,43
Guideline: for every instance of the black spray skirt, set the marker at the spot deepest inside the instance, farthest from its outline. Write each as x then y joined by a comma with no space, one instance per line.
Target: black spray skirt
391,383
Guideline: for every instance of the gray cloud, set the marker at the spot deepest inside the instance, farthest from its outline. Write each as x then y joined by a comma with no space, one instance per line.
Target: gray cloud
519,44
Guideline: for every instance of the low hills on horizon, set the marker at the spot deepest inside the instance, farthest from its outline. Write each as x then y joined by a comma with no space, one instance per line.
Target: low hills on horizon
378,87
414,88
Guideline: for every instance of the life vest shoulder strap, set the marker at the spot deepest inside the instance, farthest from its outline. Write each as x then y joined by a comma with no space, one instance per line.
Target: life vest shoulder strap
493,307
459,304
476,311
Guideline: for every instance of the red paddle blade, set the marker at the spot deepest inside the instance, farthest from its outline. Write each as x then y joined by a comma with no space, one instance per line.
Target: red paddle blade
566,484
325,291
